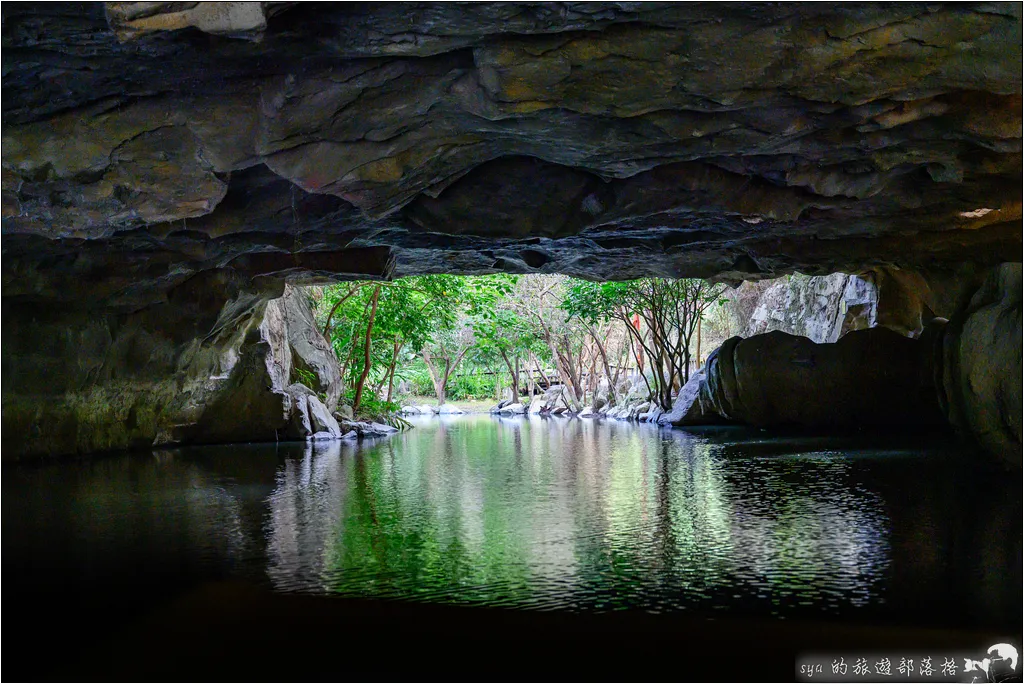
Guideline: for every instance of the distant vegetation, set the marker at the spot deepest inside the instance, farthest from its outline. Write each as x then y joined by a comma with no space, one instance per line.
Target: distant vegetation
477,337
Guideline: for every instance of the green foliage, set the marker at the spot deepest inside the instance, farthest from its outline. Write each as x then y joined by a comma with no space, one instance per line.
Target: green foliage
462,336
595,302
373,409
412,313
307,378
480,383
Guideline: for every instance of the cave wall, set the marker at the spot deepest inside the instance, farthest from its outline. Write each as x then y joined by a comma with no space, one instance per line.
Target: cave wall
824,308
964,374
213,364
978,365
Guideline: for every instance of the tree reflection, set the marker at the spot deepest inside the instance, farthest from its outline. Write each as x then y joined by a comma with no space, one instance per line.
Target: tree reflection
589,514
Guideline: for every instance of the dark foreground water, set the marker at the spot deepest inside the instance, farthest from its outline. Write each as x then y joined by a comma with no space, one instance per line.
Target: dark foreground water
538,514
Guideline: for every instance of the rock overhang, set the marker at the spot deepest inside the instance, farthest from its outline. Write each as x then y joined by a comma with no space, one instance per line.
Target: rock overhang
147,143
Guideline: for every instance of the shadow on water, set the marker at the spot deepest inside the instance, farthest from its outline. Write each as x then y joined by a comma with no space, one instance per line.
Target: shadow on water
532,531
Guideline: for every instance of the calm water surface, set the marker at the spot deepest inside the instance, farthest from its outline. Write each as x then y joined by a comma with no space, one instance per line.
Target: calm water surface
541,514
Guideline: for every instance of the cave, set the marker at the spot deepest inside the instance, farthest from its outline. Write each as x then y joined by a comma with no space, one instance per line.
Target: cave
174,174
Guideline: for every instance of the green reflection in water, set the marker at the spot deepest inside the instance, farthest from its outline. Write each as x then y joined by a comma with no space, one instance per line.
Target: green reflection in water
591,515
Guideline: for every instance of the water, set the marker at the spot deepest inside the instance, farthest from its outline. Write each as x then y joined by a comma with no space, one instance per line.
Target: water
540,514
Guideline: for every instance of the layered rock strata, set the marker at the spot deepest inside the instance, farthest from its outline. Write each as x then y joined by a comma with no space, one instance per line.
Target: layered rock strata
153,141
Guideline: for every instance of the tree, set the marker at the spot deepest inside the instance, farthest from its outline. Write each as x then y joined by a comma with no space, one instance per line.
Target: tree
670,310
443,354
371,324
478,300
503,333
366,347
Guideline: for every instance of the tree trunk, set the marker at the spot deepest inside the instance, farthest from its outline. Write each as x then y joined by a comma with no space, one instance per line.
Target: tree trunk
435,377
607,368
513,373
574,375
515,395
366,357
540,371
391,371
698,343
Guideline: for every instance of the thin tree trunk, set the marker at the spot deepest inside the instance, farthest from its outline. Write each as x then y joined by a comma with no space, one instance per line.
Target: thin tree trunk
391,371
435,378
366,357
515,398
607,368
540,370
574,375
698,342
513,373
560,363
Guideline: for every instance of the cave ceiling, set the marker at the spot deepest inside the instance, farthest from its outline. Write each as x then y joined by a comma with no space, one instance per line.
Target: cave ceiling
146,143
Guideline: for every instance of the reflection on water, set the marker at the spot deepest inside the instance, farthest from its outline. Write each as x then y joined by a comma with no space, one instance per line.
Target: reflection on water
546,515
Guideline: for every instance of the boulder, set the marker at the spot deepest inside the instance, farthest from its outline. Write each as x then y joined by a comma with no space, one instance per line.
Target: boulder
537,405
300,424
586,412
448,409
320,418
652,414
307,354
687,409
368,429
380,429
343,412
552,395
871,377
979,357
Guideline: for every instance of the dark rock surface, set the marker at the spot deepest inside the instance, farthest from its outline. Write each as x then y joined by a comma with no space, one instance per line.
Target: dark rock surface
868,378
980,356
145,143
196,369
